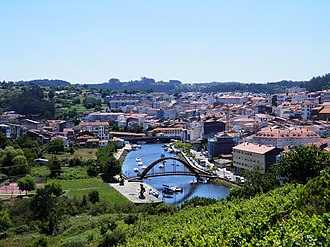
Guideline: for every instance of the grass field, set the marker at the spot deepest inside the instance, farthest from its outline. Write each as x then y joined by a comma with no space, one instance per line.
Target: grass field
82,153
79,187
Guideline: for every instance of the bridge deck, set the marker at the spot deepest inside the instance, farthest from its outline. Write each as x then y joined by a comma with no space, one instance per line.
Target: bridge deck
131,191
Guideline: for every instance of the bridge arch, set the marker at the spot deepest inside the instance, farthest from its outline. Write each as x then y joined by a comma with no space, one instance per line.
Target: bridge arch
186,164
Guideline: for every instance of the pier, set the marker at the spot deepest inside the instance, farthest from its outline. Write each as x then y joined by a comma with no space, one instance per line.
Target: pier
131,191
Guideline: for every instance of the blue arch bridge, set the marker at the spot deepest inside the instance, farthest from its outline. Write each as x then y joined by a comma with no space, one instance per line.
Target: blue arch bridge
170,167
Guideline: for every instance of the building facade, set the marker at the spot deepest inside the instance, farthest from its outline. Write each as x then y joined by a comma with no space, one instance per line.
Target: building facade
249,156
100,129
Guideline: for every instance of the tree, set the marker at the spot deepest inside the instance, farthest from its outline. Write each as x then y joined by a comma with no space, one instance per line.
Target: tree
13,162
26,183
4,141
54,167
94,196
255,182
34,102
5,221
314,199
25,141
44,205
56,146
302,163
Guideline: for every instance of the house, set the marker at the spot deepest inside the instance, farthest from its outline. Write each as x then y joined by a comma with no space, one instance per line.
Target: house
100,129
249,156
31,124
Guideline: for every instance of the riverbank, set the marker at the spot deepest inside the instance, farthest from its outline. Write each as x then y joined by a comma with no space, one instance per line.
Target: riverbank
131,190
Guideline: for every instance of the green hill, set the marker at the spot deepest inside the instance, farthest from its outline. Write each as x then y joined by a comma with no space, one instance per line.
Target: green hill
278,218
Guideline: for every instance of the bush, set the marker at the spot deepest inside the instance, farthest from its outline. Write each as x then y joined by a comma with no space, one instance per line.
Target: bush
94,196
39,242
198,201
131,219
113,238
5,221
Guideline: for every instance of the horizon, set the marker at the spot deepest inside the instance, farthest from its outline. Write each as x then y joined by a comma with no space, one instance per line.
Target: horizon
91,83
85,42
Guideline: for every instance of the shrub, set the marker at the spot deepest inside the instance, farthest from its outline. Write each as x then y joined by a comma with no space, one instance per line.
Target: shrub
94,196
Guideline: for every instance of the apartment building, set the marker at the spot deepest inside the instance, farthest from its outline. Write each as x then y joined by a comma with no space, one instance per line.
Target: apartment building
249,156
285,137
100,129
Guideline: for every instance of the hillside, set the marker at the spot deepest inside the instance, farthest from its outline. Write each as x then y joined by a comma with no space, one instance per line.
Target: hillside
278,218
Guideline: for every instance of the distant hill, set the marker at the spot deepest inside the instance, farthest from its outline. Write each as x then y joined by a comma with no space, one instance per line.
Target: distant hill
45,83
318,83
175,86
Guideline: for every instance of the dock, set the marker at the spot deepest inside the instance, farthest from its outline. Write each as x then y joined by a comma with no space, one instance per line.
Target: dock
131,191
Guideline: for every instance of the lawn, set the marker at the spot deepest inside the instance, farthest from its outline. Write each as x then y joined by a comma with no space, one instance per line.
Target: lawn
79,187
82,153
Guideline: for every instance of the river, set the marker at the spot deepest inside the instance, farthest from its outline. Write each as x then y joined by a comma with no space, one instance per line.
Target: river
151,152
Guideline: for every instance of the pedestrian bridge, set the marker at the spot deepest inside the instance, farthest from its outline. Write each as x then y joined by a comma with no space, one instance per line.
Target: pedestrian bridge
173,169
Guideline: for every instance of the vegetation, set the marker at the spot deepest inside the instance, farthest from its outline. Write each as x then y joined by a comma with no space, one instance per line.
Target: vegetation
272,219
34,103
26,183
302,163
77,188
13,162
83,154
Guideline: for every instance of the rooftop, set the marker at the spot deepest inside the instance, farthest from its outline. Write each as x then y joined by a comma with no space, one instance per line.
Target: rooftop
254,148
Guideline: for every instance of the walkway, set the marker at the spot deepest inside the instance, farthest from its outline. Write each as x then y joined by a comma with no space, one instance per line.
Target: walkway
119,153
131,191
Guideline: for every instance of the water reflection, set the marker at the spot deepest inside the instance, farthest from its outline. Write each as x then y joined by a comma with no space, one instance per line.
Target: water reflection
151,152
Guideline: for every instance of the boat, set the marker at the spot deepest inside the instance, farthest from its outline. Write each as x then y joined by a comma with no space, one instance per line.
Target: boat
162,155
134,146
138,146
167,196
138,159
168,191
136,169
140,163
193,182
176,189
170,150
154,193
143,167
202,180
161,166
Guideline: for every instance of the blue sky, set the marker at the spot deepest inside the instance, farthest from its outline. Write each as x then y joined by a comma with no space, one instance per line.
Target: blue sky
189,40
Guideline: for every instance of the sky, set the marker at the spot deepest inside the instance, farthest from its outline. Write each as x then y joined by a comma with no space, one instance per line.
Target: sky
188,40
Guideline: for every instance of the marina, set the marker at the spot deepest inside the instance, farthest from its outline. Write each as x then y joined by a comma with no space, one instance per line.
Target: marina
189,186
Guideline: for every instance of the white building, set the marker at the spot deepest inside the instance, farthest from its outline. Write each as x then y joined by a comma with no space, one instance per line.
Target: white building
285,137
248,156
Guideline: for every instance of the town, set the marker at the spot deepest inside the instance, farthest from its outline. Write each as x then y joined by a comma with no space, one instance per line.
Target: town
235,131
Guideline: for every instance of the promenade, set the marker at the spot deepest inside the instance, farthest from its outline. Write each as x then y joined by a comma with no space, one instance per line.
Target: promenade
131,191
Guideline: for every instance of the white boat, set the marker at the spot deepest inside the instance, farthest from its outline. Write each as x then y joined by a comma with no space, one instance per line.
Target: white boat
193,181
161,166
202,180
138,159
136,169
154,193
134,146
140,163
176,188
143,167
